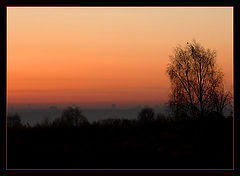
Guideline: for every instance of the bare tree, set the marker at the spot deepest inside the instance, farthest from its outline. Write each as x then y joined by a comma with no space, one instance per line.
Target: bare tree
195,79
220,99
178,102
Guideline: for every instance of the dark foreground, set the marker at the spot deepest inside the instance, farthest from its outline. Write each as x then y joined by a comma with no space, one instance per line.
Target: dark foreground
188,144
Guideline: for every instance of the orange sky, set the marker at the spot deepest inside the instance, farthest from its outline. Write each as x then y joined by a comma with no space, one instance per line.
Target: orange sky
115,55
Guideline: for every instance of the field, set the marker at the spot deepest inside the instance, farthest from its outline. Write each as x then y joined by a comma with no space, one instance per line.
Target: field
162,144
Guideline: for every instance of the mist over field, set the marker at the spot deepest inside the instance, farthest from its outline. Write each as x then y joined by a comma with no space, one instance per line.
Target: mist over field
36,115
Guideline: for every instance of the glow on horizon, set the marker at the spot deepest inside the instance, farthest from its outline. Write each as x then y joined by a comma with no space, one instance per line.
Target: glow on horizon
113,55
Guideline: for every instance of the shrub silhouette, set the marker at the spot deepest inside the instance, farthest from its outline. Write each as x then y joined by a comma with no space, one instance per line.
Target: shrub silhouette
46,122
14,121
160,117
114,122
110,122
146,115
72,117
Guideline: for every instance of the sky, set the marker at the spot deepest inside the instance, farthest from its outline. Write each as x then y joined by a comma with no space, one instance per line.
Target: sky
96,57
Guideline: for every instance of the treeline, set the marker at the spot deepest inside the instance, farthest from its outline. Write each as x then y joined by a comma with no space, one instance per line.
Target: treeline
73,117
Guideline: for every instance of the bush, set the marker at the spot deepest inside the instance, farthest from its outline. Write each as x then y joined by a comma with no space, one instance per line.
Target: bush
72,117
146,115
14,121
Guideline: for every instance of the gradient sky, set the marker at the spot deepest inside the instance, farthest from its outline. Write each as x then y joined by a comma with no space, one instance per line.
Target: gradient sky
105,55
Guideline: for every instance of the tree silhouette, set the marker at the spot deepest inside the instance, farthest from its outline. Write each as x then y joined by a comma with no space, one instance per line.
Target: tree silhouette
195,81
46,122
146,115
221,99
72,117
14,121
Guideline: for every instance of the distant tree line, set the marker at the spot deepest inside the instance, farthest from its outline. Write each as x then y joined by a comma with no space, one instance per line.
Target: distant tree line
72,117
